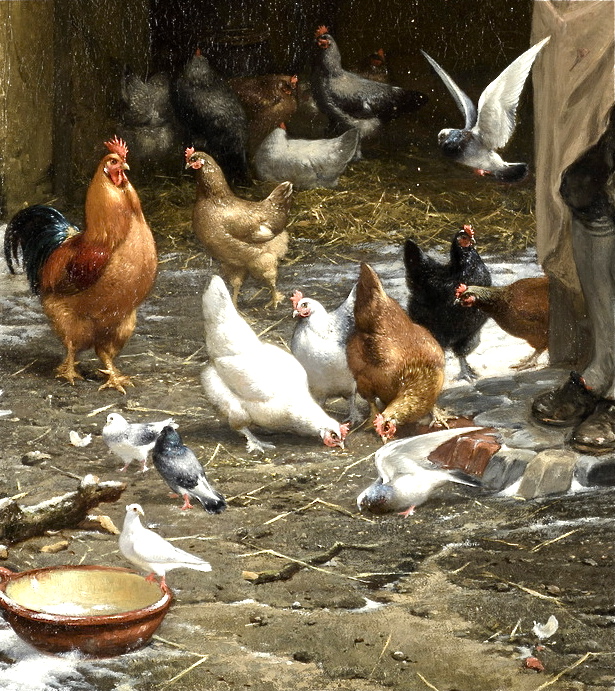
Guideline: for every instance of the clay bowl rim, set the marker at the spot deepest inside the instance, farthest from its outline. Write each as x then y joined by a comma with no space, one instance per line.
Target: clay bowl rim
76,620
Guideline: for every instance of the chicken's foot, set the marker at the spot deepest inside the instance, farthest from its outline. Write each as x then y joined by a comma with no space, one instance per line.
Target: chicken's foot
115,381
254,444
276,298
528,362
67,369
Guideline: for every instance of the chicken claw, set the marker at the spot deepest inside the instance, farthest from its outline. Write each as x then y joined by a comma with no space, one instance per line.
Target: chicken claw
67,371
253,444
115,381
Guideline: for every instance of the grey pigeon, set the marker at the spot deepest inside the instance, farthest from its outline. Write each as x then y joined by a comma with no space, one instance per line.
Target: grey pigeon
489,128
182,471
132,441
151,552
406,475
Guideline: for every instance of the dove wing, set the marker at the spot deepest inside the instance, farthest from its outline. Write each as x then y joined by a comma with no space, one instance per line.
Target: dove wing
409,455
462,100
151,548
497,106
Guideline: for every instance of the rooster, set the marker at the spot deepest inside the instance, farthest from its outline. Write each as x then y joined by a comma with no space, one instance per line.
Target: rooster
520,308
432,301
90,282
246,237
392,358
257,384
349,100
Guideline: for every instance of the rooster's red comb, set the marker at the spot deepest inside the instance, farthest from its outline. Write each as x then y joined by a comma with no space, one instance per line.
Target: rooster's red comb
293,80
469,230
321,30
380,52
296,298
189,151
460,290
117,146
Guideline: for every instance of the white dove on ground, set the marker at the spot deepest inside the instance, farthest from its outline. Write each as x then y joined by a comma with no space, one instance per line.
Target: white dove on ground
132,441
151,552
406,475
319,343
257,384
492,125
181,470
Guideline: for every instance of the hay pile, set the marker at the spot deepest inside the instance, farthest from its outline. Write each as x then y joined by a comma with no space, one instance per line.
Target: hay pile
385,199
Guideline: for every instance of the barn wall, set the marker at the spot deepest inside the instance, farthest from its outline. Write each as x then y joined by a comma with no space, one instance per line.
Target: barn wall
26,102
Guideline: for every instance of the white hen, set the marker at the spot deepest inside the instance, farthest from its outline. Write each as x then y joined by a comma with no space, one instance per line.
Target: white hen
307,163
257,384
319,343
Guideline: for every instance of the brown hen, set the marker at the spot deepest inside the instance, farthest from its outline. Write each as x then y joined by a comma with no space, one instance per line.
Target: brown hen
268,100
246,237
392,359
520,308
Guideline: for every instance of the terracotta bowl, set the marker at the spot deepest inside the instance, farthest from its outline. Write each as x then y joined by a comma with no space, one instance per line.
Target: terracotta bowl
97,610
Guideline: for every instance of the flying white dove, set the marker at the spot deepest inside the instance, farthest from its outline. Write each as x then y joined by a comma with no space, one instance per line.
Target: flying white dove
406,475
492,125
181,470
151,552
132,441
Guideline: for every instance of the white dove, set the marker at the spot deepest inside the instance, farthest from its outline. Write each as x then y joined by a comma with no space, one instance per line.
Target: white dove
151,552
253,383
406,475
492,125
132,441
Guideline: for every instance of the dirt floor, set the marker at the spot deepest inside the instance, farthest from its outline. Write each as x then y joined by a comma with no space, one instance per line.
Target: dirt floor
439,600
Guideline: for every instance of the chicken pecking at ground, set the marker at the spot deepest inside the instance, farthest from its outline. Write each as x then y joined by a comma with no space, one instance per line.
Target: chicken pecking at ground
520,308
246,237
307,163
349,100
257,384
432,303
268,99
319,343
212,116
90,282
393,359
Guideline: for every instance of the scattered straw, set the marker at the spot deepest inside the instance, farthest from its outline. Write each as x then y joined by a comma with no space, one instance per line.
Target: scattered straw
422,678
555,539
386,645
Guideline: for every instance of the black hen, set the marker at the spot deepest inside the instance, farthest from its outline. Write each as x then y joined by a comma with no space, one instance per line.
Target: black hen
213,117
432,288
349,100
183,473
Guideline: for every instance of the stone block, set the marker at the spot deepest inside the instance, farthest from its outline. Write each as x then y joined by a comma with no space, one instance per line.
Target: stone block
506,467
549,472
591,471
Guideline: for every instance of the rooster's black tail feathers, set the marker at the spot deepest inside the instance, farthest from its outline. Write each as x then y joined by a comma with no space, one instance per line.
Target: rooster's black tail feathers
37,231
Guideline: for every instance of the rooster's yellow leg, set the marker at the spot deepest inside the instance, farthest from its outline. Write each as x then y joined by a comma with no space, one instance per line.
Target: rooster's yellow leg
67,369
116,380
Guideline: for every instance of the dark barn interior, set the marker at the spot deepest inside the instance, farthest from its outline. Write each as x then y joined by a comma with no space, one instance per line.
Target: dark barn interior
62,63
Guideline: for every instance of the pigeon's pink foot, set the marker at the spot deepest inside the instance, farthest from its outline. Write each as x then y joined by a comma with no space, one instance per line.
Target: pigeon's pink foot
187,504
408,512
151,578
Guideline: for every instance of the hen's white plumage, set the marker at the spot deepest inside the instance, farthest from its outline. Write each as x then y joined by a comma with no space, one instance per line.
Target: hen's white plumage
319,343
257,384
151,552
406,476
307,163
491,126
